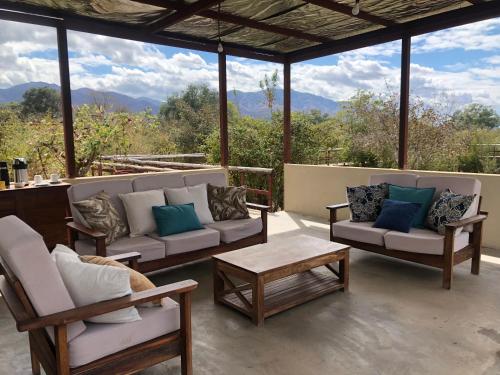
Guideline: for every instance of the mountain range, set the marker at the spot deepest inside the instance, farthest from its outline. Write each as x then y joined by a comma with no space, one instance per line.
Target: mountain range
248,103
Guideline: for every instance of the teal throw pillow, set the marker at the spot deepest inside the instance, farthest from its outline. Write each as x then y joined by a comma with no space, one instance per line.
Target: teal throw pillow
414,195
175,219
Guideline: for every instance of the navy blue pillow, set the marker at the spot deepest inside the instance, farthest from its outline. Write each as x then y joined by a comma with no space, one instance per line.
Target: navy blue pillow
397,215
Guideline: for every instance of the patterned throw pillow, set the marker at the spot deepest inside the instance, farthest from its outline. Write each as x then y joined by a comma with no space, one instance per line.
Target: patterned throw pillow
449,207
99,213
227,203
365,202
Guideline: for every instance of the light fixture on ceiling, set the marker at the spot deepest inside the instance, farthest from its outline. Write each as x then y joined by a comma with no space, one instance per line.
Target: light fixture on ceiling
220,47
355,9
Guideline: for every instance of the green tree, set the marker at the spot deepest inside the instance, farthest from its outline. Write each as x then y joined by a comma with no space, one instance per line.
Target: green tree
476,116
268,86
190,117
40,101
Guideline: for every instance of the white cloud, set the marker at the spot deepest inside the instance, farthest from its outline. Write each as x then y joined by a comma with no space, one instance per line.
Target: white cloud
479,36
138,69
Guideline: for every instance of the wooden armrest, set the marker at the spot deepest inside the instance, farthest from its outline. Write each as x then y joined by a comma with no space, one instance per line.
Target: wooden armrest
256,206
469,220
99,308
125,257
337,206
84,230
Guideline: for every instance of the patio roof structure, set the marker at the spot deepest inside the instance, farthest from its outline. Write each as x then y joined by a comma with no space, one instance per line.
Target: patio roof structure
284,32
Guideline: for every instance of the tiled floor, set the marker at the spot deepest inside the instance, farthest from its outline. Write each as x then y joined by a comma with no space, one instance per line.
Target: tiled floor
396,319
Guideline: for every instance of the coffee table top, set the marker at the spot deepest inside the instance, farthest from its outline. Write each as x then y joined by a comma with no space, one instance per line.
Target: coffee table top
280,253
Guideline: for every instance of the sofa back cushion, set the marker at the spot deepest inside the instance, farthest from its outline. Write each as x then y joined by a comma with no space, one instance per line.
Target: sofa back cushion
213,178
401,179
158,182
113,187
25,253
458,185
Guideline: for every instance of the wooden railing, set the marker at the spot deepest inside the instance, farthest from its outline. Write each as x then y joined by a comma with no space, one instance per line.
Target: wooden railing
120,164
266,172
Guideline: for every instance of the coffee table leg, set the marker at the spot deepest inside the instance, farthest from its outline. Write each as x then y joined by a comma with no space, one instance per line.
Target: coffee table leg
218,284
258,301
344,271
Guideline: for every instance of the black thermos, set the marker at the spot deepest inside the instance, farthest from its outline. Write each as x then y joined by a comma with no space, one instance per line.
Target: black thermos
4,173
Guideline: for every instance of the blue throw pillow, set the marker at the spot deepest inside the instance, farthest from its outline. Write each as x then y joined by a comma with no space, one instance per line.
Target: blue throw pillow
174,219
397,215
414,195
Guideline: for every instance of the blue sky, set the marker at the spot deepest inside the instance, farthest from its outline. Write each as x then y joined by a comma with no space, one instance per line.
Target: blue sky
454,66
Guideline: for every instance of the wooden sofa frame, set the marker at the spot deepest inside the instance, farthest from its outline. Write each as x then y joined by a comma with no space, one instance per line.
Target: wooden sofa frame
74,229
446,261
54,357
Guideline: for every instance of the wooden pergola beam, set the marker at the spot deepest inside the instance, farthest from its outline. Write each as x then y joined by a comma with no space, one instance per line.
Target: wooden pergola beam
347,10
259,25
48,17
182,13
404,103
242,21
66,108
453,18
223,130
287,104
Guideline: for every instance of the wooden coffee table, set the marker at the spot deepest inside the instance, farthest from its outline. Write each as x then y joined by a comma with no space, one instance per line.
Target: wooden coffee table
277,276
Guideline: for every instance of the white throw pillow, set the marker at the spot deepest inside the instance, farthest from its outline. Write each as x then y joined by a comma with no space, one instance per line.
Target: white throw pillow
91,283
62,249
139,209
192,194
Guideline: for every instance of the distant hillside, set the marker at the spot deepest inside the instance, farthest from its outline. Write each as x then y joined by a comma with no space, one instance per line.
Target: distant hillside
254,103
249,103
85,96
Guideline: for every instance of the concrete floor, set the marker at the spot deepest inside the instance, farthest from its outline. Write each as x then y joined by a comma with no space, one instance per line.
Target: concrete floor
396,319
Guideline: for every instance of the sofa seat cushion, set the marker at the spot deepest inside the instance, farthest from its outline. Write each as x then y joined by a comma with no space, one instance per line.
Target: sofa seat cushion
189,241
234,230
423,241
361,232
149,248
101,340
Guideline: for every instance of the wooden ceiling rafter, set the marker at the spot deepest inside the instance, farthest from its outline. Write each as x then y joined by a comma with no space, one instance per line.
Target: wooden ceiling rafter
424,25
259,25
347,10
48,17
183,12
247,22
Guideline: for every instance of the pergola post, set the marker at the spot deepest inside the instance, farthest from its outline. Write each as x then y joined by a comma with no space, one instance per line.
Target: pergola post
67,111
404,103
224,138
287,128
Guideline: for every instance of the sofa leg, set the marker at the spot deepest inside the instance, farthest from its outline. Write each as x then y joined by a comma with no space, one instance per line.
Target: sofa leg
476,262
35,364
476,242
447,276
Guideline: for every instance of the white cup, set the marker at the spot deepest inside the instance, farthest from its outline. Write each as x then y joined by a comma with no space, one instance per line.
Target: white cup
38,179
54,177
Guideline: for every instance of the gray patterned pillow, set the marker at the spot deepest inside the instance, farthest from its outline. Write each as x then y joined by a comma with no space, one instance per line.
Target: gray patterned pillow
100,215
448,208
365,202
227,203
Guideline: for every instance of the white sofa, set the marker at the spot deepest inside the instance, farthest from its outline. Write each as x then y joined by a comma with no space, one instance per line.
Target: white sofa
461,241
161,252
